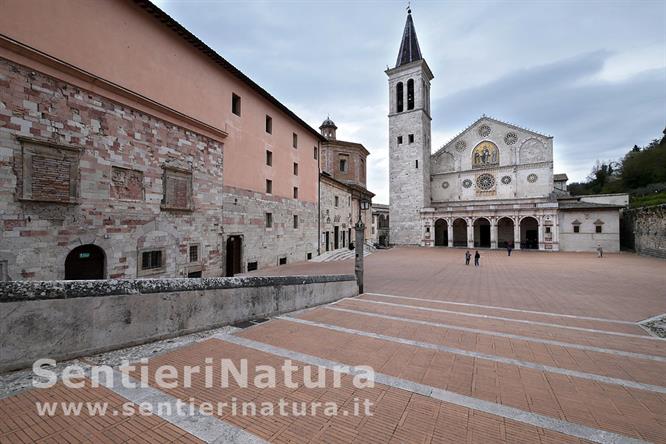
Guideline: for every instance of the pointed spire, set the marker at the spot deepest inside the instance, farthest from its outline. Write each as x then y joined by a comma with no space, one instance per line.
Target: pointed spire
409,47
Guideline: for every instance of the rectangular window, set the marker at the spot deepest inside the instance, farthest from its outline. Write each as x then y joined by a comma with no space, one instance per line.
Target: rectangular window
315,152
252,266
343,160
176,189
295,221
295,192
294,141
576,228
151,260
308,256
295,169
194,253
547,229
269,158
269,124
282,261
336,201
417,164
599,229
411,138
399,140
269,220
269,186
235,104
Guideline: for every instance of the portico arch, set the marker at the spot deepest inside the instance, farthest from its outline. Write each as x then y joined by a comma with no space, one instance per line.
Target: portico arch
441,233
459,233
505,230
482,232
529,233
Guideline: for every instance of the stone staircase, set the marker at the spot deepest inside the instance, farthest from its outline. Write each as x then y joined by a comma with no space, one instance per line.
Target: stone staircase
342,254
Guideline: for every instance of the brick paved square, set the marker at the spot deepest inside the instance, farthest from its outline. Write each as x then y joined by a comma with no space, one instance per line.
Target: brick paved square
535,347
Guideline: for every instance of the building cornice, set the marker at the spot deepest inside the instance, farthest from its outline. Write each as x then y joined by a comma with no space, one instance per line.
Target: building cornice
73,74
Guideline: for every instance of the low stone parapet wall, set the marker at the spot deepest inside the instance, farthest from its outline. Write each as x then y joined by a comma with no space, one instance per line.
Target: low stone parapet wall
67,319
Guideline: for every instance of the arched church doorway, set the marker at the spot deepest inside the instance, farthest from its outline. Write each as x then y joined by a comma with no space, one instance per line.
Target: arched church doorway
85,262
234,254
504,232
459,233
482,233
441,233
529,234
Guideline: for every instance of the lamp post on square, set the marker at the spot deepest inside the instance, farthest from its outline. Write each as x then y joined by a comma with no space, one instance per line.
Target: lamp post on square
363,205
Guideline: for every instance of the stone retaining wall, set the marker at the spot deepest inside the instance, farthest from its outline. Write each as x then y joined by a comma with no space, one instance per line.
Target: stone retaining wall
67,319
644,230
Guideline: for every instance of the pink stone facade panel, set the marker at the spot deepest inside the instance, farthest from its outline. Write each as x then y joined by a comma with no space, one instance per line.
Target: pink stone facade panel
123,154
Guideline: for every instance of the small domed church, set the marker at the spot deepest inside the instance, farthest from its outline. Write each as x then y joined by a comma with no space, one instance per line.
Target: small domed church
491,186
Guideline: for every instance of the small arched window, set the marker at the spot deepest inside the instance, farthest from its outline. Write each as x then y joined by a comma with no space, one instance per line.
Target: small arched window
410,94
398,97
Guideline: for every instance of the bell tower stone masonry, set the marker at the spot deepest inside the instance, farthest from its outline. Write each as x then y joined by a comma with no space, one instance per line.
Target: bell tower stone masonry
409,139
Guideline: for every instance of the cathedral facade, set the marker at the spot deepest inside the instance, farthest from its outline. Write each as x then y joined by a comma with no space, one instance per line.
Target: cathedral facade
491,186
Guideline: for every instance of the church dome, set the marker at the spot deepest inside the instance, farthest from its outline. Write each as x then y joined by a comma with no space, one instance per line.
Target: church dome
328,123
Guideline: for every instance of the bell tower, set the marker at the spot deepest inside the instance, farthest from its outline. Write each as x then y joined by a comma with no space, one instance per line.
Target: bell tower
409,139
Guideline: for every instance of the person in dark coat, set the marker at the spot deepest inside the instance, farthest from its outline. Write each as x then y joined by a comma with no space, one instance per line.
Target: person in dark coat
468,256
477,256
509,247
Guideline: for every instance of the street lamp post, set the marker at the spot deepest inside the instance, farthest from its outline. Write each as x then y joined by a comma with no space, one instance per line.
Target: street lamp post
360,240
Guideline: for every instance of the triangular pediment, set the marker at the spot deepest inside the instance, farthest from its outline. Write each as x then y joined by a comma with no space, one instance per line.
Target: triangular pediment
459,139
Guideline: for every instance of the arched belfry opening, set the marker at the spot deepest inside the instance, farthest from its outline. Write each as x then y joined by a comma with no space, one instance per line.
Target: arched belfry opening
399,97
85,262
410,94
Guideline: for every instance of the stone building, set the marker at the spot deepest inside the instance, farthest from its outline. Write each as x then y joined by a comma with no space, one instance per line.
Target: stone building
490,186
152,157
380,224
342,188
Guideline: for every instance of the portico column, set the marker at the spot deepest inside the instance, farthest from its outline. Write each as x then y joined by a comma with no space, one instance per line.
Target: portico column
493,233
541,230
470,233
449,233
516,234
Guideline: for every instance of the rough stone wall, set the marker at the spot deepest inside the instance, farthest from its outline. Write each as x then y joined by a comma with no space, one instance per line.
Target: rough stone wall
245,215
68,319
645,230
332,216
119,170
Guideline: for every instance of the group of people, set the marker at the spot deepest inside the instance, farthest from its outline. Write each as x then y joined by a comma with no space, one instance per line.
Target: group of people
477,256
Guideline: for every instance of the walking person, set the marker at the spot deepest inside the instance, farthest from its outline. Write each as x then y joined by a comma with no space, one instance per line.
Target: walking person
468,256
477,256
509,247
600,251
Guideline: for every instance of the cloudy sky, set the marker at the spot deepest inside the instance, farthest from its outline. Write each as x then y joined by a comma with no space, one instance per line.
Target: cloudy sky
590,73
